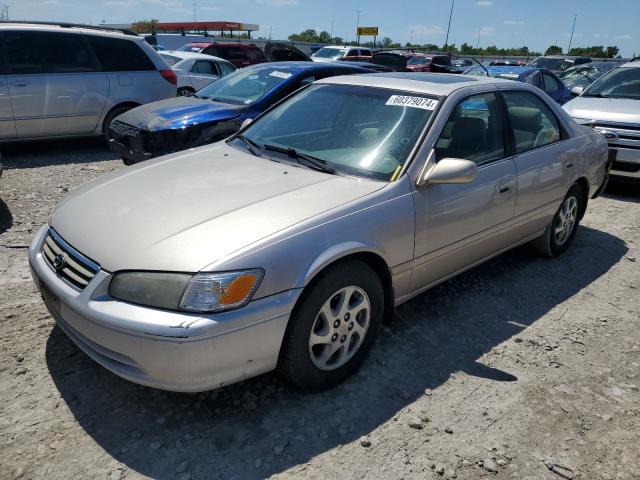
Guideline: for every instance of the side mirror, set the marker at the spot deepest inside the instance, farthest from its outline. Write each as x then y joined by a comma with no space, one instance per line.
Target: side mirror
577,90
245,123
450,171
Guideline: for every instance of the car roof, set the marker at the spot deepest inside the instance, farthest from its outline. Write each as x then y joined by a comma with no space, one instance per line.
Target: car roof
429,83
519,69
303,66
188,55
70,28
631,64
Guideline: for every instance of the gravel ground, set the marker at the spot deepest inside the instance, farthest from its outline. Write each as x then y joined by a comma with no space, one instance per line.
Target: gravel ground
521,368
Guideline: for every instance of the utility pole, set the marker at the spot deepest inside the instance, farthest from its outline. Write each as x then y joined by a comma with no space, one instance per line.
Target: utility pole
194,11
357,25
575,17
411,38
478,42
446,42
332,31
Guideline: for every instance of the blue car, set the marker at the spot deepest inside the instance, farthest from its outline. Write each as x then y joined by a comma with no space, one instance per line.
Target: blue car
539,77
214,112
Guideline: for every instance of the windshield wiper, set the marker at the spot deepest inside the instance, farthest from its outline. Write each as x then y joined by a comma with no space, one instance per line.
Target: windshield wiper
252,146
309,161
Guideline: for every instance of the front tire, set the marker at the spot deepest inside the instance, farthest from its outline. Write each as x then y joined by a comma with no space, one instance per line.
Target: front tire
109,118
333,327
560,232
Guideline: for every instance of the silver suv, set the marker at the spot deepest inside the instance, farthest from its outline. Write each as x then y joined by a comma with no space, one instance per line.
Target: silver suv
65,79
610,105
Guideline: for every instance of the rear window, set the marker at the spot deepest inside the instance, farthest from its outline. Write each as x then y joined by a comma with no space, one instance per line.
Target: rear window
47,52
117,55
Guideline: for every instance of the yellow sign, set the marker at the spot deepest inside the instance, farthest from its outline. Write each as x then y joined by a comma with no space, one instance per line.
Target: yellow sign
368,31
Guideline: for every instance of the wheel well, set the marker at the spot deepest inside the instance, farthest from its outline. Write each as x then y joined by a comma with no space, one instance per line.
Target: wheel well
120,105
380,266
583,183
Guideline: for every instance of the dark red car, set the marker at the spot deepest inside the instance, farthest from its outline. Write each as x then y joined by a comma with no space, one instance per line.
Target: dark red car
426,62
245,54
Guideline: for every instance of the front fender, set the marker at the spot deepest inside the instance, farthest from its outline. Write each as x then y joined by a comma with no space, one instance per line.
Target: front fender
335,253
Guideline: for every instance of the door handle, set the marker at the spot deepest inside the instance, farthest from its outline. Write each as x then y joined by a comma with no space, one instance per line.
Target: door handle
505,186
20,83
570,165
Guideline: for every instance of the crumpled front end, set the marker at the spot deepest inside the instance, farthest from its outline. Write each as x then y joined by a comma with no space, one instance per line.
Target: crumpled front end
135,144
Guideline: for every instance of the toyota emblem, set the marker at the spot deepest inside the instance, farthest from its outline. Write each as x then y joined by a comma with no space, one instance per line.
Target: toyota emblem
59,262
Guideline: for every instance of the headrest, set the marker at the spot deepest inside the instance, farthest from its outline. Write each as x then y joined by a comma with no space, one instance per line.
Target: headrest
525,118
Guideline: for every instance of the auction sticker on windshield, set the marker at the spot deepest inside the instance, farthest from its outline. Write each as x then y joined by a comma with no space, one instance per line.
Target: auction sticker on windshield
278,74
414,102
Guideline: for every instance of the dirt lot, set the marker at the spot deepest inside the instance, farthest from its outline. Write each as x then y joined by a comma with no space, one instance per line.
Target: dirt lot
522,368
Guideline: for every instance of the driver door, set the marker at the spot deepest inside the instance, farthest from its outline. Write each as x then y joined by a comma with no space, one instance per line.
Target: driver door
459,225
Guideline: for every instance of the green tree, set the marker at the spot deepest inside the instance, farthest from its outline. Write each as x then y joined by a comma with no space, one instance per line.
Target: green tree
324,37
612,51
553,50
386,42
144,26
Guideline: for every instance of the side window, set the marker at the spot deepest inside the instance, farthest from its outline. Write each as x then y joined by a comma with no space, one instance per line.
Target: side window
232,53
255,55
473,131
26,52
215,51
550,83
225,68
116,55
365,53
534,79
45,52
352,53
533,123
205,67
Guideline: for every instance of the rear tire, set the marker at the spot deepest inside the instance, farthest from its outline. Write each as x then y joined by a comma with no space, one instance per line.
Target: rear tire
333,327
560,232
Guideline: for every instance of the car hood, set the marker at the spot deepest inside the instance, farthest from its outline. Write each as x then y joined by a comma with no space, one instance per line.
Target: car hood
185,211
179,112
620,110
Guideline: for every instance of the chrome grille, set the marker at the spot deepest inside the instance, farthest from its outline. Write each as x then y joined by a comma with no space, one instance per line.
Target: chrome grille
628,136
69,264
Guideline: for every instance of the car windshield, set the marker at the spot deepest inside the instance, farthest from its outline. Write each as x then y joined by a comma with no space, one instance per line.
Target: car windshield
170,59
353,130
552,63
585,75
245,86
330,53
418,61
619,83
189,48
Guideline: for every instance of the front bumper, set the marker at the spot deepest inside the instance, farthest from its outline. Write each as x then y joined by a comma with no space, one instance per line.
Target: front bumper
137,144
162,349
626,162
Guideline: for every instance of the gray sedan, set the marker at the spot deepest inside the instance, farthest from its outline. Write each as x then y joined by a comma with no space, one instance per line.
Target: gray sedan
289,244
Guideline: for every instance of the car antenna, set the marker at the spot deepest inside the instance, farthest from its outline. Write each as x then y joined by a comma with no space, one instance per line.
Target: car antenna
483,67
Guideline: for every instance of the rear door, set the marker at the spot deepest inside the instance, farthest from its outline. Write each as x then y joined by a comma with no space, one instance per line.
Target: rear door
543,154
7,125
55,84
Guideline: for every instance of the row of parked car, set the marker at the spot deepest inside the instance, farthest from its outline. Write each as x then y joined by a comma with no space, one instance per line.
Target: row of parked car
115,84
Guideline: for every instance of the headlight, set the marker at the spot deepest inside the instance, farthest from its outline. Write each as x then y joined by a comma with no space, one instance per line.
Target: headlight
202,292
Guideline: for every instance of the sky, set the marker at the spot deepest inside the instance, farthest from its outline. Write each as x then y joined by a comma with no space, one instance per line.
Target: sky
505,23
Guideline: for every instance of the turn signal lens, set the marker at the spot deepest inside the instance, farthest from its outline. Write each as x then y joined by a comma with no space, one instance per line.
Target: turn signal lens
215,292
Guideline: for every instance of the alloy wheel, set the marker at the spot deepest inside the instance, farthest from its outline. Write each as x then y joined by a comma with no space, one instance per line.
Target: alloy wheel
339,328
